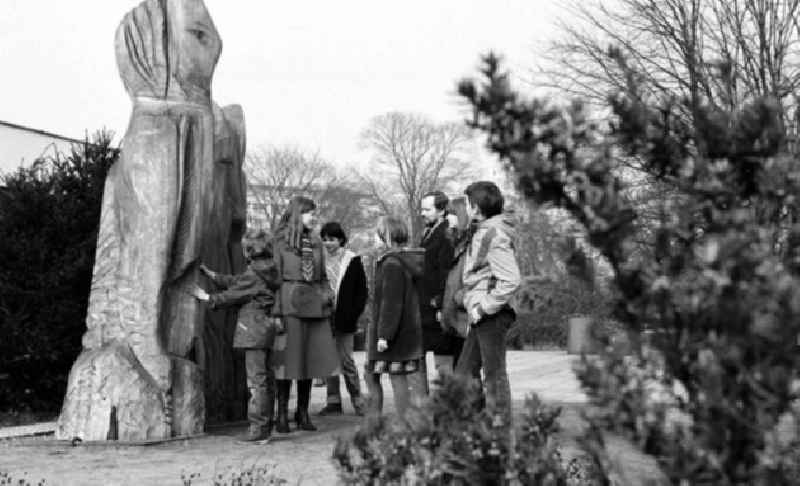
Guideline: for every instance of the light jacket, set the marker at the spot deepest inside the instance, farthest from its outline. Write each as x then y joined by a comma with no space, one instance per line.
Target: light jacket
491,274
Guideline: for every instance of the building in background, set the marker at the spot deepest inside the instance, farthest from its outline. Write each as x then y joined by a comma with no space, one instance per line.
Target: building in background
20,146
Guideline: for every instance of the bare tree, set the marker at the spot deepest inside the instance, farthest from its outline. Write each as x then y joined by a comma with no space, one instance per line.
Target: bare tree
275,174
344,201
722,53
412,156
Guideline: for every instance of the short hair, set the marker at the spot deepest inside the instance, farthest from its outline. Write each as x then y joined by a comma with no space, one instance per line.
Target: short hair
486,196
332,229
257,244
440,199
392,230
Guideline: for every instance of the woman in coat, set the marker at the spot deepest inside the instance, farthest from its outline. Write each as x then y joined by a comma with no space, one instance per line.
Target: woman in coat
453,318
394,337
306,349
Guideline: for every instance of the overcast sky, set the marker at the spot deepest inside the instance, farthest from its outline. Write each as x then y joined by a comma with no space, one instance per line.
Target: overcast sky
307,73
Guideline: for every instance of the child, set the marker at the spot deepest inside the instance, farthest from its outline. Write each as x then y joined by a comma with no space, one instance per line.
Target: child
394,337
255,331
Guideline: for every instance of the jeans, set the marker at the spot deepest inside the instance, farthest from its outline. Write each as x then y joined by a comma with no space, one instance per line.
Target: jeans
344,348
261,385
485,347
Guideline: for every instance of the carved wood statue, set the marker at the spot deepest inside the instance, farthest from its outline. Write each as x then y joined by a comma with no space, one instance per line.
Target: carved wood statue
175,199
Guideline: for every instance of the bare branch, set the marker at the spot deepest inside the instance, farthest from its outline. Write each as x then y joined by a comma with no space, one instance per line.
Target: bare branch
417,156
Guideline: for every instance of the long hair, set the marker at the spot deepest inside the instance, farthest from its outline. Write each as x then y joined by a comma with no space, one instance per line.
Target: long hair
462,232
290,226
458,208
392,231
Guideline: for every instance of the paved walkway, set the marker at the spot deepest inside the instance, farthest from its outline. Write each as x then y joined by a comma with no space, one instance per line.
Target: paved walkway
300,455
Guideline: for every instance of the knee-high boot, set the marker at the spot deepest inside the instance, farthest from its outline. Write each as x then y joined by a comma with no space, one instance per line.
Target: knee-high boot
282,422
270,406
303,397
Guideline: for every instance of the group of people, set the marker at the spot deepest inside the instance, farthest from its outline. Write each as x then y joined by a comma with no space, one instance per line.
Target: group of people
302,295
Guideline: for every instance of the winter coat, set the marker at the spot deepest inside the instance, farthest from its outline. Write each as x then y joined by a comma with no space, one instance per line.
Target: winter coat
351,294
491,274
438,257
297,297
454,316
253,290
395,306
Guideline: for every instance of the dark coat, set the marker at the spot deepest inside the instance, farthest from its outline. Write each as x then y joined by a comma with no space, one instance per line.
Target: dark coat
395,306
352,297
253,290
438,259
297,297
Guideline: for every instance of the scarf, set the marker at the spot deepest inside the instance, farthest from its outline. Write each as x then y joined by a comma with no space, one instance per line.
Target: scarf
333,268
307,258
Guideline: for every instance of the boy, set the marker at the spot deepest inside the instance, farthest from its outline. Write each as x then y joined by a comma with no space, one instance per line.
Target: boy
491,277
253,290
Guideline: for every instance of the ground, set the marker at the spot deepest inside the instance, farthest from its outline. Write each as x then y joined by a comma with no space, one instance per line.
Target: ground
300,457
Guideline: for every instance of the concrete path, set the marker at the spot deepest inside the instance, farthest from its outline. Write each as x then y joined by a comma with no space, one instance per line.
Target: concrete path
303,456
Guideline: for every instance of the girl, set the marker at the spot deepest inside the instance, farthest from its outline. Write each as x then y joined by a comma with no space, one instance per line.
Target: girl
453,317
304,304
394,336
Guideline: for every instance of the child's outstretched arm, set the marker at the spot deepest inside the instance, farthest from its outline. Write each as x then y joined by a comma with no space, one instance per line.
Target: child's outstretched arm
219,279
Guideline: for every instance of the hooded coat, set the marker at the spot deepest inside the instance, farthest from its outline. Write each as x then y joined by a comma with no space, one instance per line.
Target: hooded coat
395,311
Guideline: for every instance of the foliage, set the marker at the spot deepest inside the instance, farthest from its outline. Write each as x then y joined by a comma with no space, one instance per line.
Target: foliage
49,215
544,305
721,292
452,440
16,417
8,479
253,476
562,279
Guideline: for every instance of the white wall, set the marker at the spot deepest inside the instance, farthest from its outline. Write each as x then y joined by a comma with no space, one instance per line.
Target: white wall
20,147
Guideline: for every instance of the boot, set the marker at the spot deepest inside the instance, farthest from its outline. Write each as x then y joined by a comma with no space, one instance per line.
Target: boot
269,407
282,422
303,397
259,413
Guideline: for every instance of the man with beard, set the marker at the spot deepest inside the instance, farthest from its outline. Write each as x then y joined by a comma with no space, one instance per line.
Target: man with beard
438,258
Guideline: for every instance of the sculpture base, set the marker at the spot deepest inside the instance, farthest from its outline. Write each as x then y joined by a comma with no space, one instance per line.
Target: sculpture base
110,396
